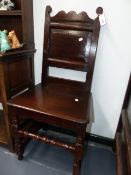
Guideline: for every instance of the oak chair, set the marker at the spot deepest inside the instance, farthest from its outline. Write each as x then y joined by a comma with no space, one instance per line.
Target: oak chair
70,42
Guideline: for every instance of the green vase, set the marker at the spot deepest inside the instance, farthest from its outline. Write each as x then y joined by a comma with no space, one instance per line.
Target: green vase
4,43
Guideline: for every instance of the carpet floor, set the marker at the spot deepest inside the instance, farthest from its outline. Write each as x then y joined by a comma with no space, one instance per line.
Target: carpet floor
43,159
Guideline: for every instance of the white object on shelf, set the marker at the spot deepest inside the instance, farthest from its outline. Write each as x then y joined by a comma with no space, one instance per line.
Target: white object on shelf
6,5
1,107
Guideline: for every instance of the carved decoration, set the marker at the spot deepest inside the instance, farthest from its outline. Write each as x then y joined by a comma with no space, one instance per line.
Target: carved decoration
72,16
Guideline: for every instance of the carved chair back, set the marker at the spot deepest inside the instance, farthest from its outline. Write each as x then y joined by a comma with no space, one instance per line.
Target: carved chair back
70,42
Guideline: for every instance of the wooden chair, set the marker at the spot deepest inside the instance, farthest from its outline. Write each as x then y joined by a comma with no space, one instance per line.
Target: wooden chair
70,42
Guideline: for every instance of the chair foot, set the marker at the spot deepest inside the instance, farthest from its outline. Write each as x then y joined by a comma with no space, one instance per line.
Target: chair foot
20,157
19,151
76,168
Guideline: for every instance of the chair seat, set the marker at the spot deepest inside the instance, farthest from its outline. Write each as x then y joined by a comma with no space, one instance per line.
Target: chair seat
62,100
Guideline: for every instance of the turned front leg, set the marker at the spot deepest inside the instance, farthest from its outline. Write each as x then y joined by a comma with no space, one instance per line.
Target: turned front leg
78,155
18,146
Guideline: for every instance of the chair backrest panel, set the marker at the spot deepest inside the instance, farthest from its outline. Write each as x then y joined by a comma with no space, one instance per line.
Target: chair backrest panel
69,45
70,42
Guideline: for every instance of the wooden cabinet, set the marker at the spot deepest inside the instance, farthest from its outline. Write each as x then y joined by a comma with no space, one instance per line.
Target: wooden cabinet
21,20
16,66
123,136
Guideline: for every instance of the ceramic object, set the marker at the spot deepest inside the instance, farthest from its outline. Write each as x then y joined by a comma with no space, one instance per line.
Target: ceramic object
4,42
6,5
14,40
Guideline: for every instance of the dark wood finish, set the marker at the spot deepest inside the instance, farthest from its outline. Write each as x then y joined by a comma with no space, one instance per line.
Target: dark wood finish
3,134
18,69
70,42
11,13
16,65
123,136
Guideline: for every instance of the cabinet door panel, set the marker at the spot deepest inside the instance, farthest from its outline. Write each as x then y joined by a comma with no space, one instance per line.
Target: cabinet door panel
19,75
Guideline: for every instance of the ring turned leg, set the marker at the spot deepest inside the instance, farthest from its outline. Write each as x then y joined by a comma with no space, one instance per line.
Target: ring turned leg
78,156
19,150
76,168
18,145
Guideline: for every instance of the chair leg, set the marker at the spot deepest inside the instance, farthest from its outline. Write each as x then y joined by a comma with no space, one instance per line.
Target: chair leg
19,148
76,167
78,156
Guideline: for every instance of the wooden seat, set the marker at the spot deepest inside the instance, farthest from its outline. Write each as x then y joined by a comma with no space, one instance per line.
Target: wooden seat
58,100
70,42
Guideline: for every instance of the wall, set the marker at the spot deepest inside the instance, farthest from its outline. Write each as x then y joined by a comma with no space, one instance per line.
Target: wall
113,61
